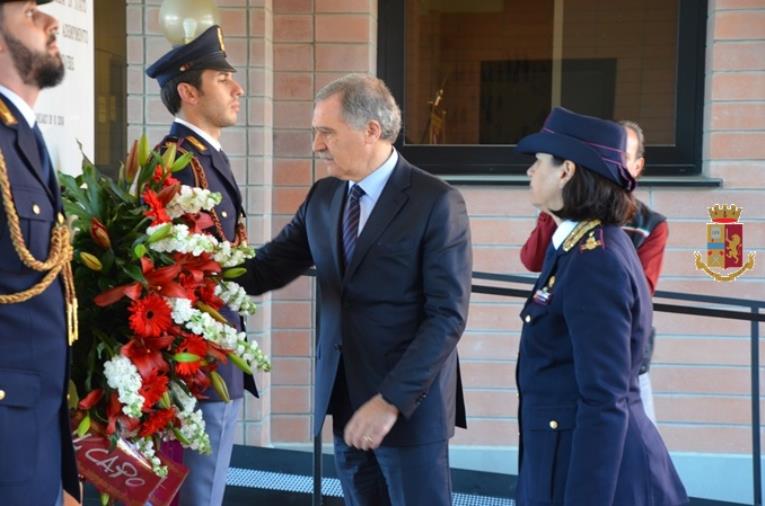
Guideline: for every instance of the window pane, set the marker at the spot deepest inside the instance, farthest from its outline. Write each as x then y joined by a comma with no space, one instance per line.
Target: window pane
110,88
488,72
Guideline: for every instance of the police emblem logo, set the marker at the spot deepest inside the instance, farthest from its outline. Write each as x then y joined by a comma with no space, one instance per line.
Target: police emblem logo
725,245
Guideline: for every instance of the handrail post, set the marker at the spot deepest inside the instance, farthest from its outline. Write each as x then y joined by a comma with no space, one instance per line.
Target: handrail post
756,449
317,495
318,498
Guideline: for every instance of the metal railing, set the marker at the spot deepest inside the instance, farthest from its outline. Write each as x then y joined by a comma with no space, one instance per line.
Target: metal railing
751,313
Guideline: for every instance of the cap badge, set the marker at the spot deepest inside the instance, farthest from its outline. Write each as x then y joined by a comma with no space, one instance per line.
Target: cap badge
220,40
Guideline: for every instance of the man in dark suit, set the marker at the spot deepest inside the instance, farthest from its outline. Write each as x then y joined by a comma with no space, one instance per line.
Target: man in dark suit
36,456
391,246
199,89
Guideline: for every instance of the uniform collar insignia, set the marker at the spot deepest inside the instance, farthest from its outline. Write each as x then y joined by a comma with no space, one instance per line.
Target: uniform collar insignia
199,145
580,231
6,115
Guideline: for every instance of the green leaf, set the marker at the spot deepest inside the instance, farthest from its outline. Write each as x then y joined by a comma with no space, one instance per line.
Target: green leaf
107,260
134,272
120,191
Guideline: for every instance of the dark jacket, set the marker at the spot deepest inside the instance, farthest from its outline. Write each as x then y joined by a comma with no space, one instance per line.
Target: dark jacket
396,312
36,453
585,438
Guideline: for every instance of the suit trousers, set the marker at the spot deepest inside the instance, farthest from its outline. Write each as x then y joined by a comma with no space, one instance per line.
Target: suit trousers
206,481
394,475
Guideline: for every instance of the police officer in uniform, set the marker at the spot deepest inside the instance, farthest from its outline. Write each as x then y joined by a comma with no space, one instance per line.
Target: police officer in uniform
585,437
198,88
648,231
37,305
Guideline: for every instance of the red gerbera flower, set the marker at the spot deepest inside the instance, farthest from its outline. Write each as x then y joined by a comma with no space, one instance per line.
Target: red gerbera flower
156,212
157,421
150,316
152,389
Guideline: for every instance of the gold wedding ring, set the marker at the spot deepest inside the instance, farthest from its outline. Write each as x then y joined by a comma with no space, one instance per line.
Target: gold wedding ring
368,438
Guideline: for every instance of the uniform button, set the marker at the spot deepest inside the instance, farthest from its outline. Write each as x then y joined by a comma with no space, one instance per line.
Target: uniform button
2,395
553,424
224,214
35,209
527,319
60,219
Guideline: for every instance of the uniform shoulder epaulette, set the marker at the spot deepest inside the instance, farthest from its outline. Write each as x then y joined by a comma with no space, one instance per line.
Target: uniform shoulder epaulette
582,229
6,115
198,145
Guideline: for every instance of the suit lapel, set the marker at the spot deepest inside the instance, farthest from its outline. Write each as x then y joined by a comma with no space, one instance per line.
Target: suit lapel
392,199
335,219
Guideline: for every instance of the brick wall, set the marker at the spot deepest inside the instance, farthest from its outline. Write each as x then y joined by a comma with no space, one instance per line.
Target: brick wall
287,49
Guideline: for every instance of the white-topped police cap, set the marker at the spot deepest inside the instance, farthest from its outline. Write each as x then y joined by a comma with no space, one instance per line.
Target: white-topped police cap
207,51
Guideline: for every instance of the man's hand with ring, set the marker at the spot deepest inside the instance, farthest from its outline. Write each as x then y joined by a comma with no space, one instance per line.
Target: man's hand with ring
370,424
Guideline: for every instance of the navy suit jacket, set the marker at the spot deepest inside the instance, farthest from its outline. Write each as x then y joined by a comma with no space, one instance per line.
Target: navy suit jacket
220,179
396,312
585,438
36,453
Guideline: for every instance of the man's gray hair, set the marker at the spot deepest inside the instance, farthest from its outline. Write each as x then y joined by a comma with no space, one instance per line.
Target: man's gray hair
639,132
365,98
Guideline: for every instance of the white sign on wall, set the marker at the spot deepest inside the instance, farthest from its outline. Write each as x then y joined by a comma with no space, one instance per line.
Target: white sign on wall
65,113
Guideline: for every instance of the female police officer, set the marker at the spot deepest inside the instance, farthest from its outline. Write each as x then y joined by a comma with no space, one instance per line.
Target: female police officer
585,439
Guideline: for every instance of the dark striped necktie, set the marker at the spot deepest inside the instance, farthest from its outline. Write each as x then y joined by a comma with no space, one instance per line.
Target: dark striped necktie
351,217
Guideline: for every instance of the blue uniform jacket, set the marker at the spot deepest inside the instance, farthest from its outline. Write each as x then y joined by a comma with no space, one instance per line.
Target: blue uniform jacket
36,454
392,318
217,170
585,439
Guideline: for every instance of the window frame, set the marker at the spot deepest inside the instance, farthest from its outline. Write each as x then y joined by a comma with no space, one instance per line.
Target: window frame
680,159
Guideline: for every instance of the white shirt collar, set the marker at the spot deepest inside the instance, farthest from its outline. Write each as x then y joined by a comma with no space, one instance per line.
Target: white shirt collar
374,183
24,108
562,232
207,137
